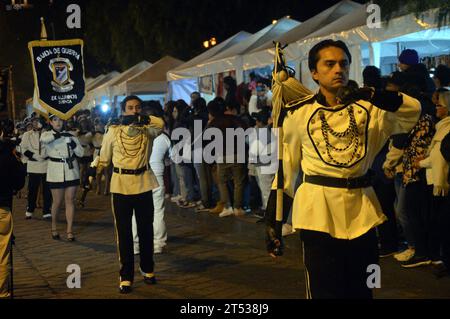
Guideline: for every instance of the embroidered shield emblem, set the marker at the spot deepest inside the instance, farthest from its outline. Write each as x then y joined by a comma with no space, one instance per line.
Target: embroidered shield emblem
61,68
339,135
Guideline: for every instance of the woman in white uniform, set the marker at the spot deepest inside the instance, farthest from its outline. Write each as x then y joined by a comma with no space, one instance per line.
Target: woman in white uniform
63,173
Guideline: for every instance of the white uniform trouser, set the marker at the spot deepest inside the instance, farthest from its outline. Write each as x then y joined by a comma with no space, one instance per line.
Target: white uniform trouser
6,227
159,226
265,184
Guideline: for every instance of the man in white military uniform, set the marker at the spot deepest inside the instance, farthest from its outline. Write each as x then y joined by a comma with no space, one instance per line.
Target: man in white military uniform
335,142
128,147
34,151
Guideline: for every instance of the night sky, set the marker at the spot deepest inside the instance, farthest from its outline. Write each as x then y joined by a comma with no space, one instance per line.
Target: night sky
119,34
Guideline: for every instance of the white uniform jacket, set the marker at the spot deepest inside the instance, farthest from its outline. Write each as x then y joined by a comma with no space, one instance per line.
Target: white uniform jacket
128,147
313,139
58,172
34,151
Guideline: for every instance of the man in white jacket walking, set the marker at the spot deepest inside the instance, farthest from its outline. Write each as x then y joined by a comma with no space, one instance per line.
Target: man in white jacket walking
36,155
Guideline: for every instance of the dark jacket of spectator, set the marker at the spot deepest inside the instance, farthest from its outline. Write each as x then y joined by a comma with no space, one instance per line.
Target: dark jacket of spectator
228,121
445,147
12,174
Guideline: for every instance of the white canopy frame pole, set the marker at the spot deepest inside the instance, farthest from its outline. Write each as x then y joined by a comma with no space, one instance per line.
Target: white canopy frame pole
239,69
356,66
375,53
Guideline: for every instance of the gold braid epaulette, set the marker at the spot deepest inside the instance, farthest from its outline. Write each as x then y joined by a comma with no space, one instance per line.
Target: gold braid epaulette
296,104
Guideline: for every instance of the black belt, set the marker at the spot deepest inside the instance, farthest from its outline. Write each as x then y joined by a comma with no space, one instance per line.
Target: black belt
125,171
62,160
349,183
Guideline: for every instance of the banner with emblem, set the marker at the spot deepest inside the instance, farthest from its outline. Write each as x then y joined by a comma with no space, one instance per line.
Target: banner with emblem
4,79
58,70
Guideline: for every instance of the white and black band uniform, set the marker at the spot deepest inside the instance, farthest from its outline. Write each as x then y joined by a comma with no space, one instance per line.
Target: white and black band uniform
36,155
62,168
128,147
335,207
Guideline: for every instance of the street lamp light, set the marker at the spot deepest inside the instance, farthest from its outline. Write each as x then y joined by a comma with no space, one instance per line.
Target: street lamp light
210,43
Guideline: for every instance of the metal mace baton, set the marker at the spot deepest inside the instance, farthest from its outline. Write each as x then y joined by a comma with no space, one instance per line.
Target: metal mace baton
279,66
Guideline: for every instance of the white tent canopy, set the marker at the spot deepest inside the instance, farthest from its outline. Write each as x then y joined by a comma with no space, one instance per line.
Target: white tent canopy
104,90
188,69
151,80
263,55
406,28
99,80
231,58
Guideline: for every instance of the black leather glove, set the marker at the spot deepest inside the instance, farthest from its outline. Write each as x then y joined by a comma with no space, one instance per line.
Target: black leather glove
274,239
72,144
143,120
113,121
347,95
385,100
56,135
445,147
129,119
28,154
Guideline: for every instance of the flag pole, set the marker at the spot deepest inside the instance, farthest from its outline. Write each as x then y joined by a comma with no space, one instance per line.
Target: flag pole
43,30
12,97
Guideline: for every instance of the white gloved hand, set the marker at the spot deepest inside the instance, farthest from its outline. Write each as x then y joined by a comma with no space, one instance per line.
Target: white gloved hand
440,191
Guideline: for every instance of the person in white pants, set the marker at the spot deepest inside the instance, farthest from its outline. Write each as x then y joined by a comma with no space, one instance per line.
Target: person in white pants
261,148
160,150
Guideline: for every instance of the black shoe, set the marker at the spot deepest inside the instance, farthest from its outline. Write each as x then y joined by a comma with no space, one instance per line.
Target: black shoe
416,262
440,270
386,252
150,280
55,235
124,289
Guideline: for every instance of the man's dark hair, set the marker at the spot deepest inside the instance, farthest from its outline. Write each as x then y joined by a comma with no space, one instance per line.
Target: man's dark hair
216,107
442,73
199,105
129,98
181,106
353,84
398,78
230,81
153,108
372,76
262,116
314,57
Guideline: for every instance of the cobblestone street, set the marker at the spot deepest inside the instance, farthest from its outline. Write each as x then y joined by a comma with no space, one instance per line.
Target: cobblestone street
206,257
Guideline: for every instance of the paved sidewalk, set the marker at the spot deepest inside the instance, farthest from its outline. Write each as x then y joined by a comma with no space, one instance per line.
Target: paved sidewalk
206,257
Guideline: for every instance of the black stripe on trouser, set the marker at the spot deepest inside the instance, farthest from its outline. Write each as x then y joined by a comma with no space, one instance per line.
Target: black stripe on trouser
123,207
337,268
34,181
